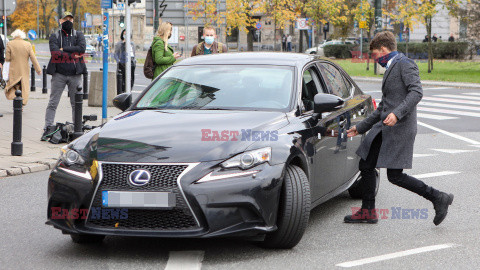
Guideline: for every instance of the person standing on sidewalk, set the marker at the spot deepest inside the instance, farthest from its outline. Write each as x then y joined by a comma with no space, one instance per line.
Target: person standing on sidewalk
209,45
66,65
2,59
289,43
393,127
162,53
18,53
121,58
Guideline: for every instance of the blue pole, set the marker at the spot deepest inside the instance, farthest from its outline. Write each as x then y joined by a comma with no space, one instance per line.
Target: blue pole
105,68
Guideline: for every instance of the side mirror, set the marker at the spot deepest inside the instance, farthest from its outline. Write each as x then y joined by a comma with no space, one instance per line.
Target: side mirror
326,103
123,101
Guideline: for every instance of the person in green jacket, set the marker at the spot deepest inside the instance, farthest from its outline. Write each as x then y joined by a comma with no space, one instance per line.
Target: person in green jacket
162,53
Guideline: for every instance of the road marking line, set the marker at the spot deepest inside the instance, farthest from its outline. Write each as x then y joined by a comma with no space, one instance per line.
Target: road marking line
454,112
458,97
437,88
452,100
450,106
449,133
473,94
424,155
394,255
435,117
185,260
475,145
435,174
454,151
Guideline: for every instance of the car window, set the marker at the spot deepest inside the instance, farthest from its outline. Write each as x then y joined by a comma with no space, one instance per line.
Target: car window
229,87
310,87
334,80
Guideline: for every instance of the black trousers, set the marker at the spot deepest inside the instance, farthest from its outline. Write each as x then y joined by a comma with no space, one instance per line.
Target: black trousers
121,67
395,176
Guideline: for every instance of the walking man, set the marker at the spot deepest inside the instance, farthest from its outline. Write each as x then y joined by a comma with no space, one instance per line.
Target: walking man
66,65
393,126
209,45
289,43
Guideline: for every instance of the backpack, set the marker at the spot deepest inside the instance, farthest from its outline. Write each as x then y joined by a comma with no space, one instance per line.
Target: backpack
199,46
149,65
60,133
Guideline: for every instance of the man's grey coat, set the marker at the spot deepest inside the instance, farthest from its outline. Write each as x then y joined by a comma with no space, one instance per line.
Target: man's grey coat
401,92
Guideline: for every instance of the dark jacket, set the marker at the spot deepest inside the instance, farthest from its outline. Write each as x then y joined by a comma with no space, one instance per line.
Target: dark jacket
163,58
64,62
2,52
401,92
214,48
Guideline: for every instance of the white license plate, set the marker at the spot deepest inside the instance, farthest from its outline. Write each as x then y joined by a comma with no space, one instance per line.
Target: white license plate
136,199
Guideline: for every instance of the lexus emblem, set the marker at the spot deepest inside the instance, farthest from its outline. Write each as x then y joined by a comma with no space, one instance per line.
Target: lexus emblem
139,177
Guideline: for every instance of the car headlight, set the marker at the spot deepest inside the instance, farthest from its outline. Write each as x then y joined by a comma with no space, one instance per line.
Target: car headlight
249,159
70,156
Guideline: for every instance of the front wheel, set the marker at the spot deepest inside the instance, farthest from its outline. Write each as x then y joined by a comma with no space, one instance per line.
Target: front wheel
293,211
356,189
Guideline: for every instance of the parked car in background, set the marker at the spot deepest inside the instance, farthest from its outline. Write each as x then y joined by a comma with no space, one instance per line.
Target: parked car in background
89,50
319,49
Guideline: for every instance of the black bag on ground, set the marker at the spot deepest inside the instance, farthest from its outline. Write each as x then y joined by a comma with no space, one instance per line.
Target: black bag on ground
60,133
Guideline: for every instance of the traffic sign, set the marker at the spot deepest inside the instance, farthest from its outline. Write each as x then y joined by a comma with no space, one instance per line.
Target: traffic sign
32,35
120,6
258,26
106,4
302,24
362,24
10,6
84,24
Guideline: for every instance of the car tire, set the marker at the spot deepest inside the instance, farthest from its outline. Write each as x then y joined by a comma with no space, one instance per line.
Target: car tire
87,238
355,189
293,211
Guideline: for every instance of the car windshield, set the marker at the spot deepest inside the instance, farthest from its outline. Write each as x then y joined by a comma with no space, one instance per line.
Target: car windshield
221,87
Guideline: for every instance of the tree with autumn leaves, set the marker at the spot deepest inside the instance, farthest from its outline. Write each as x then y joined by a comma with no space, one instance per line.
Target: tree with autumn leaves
25,15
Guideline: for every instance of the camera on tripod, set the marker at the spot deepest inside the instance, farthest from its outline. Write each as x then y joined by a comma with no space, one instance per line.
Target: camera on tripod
86,118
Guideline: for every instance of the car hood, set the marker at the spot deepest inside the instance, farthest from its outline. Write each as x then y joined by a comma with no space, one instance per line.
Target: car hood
181,135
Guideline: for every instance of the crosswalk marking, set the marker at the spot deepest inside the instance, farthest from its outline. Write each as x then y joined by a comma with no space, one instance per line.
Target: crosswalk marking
458,101
435,174
473,94
446,111
435,117
457,97
454,151
423,155
449,106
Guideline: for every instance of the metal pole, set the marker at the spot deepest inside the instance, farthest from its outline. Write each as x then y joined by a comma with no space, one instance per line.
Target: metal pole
186,29
128,47
105,68
85,85
38,22
17,145
378,24
361,33
77,121
5,25
155,16
32,78
44,88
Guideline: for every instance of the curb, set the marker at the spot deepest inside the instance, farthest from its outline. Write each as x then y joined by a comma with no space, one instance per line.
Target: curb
28,168
424,82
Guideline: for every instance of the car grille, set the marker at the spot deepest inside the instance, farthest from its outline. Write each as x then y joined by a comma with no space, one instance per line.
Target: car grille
163,178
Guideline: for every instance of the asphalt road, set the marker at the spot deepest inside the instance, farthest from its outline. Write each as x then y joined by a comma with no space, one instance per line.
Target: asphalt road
446,157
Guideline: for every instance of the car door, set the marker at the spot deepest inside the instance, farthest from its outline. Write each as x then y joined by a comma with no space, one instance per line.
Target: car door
353,112
329,156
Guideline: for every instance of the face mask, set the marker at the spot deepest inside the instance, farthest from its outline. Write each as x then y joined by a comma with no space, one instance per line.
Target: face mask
209,40
67,26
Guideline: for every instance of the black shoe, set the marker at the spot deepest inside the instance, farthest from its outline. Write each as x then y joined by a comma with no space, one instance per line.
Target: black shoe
362,216
440,204
1,115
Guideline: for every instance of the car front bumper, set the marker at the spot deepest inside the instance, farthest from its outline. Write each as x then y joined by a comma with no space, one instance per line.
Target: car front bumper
236,206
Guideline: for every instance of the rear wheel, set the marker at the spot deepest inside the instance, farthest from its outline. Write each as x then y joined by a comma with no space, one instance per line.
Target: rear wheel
355,190
87,238
293,212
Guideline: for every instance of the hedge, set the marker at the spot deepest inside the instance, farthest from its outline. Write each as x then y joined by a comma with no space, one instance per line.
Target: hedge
441,50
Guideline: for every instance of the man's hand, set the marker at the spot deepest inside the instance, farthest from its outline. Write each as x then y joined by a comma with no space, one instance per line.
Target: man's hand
176,55
391,120
1,66
61,49
352,132
39,72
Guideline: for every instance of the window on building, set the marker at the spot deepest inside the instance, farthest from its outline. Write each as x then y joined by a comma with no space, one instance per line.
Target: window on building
233,37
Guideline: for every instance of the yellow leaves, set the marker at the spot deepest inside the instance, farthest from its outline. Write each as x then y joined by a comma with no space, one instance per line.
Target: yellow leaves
25,16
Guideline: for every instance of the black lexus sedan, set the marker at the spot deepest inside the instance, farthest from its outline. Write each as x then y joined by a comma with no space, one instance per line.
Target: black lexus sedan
238,145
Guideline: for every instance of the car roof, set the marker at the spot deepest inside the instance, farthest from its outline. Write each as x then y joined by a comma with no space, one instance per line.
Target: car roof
255,58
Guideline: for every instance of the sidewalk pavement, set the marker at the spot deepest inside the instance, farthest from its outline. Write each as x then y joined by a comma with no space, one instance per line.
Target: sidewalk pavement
37,155
424,82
